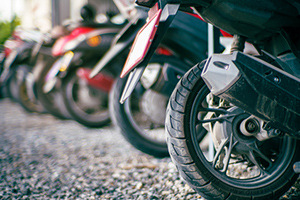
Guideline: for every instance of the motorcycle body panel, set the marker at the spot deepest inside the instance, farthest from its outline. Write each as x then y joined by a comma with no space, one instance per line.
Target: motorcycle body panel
267,17
84,38
121,43
100,81
179,30
85,44
59,66
258,87
165,17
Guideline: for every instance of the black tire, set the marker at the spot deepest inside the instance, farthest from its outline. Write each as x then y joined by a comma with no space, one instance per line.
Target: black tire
12,86
184,119
138,128
52,100
91,114
22,95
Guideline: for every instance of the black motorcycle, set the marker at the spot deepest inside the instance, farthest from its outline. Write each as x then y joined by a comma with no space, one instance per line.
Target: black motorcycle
141,117
232,122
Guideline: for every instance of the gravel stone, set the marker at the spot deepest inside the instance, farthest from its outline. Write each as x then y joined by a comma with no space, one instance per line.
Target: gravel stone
42,157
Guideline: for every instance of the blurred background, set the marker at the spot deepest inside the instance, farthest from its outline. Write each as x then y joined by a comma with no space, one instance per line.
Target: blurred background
43,15
61,129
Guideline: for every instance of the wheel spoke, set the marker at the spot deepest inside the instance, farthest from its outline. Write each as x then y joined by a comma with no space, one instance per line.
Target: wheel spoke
228,153
215,119
251,156
215,110
200,135
255,149
219,151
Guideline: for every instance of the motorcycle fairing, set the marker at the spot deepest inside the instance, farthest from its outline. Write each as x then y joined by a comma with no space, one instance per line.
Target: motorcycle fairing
185,4
141,44
78,40
179,40
59,68
10,59
58,46
122,41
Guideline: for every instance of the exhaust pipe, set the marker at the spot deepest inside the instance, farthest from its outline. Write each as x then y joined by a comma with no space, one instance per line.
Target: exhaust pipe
257,87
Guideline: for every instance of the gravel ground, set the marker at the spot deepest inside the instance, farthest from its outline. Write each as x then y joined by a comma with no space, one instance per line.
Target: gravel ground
42,157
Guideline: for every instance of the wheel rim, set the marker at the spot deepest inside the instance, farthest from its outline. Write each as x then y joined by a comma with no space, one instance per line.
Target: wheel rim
82,103
25,100
146,128
252,168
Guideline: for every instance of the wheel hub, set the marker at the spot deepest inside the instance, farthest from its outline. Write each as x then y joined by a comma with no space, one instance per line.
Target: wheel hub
154,106
251,126
230,128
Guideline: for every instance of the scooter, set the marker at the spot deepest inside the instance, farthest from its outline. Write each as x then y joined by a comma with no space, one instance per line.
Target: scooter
245,106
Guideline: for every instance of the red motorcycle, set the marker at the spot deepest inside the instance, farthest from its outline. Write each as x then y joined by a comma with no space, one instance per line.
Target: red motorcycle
63,86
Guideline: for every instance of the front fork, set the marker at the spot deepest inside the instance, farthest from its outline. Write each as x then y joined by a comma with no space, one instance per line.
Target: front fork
58,70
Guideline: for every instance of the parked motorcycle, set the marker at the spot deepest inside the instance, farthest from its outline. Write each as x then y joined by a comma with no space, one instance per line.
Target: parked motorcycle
16,64
141,118
247,106
81,48
85,99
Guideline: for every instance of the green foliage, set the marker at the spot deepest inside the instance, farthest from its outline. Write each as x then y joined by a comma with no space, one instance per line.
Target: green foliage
6,29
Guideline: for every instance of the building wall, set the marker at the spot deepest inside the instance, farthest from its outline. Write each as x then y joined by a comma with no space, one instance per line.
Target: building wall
104,6
38,13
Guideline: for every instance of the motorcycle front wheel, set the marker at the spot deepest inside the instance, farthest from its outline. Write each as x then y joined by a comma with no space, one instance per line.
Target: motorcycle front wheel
51,101
86,104
141,117
235,167
23,97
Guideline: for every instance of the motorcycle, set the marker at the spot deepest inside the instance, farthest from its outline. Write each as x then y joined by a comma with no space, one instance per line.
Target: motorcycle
81,48
85,99
16,64
231,121
140,120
